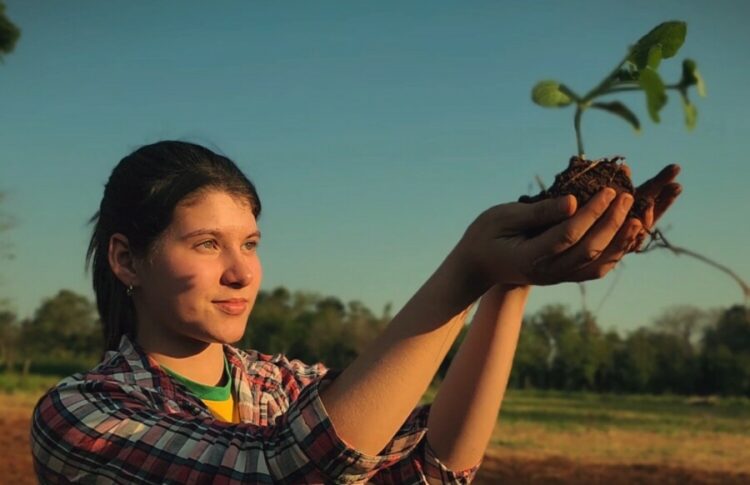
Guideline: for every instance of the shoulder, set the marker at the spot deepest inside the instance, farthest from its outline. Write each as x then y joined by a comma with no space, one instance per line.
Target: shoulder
277,370
121,380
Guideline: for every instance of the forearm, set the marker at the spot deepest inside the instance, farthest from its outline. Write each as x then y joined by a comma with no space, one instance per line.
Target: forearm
465,410
369,401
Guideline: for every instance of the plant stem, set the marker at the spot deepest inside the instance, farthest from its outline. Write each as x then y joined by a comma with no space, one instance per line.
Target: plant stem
582,104
579,140
607,80
633,88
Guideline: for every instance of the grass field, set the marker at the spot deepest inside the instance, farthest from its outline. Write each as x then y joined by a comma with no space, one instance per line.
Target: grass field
664,430
552,436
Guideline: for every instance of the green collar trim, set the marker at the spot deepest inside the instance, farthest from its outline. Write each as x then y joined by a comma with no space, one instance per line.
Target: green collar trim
207,393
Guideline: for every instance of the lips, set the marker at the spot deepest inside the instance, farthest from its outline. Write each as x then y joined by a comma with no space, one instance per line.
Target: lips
232,306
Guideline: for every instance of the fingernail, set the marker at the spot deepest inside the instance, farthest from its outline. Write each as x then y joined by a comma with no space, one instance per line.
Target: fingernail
627,201
609,194
566,203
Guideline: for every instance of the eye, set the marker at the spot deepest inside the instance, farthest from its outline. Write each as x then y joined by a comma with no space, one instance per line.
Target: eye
207,244
250,245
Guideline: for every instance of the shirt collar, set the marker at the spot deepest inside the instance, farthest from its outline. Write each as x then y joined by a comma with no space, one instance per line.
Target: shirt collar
145,372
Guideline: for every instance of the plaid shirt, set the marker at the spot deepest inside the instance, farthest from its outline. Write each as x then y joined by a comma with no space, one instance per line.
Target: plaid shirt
127,421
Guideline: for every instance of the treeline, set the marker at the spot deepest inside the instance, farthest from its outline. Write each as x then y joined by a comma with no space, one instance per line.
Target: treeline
685,351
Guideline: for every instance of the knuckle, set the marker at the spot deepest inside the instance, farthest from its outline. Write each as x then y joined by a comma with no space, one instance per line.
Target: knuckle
600,207
591,254
568,238
541,211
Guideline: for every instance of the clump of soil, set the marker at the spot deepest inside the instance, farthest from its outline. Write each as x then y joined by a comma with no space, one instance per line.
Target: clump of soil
584,178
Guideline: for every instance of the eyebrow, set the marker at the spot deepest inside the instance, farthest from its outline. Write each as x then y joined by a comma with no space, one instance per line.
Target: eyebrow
215,233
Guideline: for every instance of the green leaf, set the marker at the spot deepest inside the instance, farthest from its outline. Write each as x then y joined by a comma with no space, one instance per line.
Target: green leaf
9,33
670,35
549,95
656,97
627,75
619,109
691,76
691,113
654,57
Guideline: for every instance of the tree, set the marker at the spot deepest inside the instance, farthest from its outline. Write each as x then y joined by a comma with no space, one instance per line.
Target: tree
9,333
530,367
635,362
64,326
725,360
565,358
6,223
606,379
683,321
311,328
273,324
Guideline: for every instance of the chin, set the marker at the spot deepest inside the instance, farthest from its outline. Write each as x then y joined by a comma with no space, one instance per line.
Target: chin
231,337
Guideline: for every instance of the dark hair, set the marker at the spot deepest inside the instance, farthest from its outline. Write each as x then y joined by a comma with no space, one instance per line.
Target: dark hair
139,201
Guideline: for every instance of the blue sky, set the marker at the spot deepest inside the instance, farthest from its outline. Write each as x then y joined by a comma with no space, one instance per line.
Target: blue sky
375,132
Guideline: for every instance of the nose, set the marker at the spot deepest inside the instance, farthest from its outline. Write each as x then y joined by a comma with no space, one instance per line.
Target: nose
238,272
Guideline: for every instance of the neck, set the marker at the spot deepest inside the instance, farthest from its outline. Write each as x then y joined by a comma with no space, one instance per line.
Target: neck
196,360
205,367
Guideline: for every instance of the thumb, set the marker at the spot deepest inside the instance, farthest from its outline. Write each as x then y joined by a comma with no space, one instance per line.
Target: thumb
542,214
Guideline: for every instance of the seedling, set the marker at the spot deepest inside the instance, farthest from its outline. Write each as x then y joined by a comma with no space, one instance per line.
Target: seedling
638,71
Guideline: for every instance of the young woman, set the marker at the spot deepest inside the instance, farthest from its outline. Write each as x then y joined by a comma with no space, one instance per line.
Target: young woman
176,273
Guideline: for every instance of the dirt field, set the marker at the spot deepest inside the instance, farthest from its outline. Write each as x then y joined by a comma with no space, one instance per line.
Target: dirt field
15,459
500,465
557,470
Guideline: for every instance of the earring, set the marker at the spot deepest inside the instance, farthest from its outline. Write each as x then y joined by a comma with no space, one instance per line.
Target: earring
129,290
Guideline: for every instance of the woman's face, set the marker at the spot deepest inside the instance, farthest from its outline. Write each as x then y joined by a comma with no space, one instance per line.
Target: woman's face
200,281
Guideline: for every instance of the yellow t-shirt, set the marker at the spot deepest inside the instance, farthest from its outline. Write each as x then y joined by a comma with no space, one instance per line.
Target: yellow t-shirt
218,399
225,410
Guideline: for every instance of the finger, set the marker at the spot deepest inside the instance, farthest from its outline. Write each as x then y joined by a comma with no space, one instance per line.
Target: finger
666,199
648,216
622,241
564,235
617,249
640,235
596,241
521,216
639,241
652,186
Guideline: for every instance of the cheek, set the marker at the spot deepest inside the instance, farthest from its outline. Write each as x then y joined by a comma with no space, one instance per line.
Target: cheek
182,284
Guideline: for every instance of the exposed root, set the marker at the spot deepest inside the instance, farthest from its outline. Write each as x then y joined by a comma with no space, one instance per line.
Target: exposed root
657,240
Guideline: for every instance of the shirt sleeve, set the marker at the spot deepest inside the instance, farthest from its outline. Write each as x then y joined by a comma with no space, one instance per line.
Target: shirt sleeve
422,464
108,431
419,463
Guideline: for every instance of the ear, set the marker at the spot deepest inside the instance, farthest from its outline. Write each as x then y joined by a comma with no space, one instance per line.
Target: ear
121,260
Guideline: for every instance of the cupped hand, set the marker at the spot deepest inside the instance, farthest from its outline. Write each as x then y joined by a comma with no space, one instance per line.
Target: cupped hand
578,244
581,244
660,191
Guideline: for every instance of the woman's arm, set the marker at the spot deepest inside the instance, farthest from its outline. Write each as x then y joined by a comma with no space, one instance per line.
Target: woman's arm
372,397
464,412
